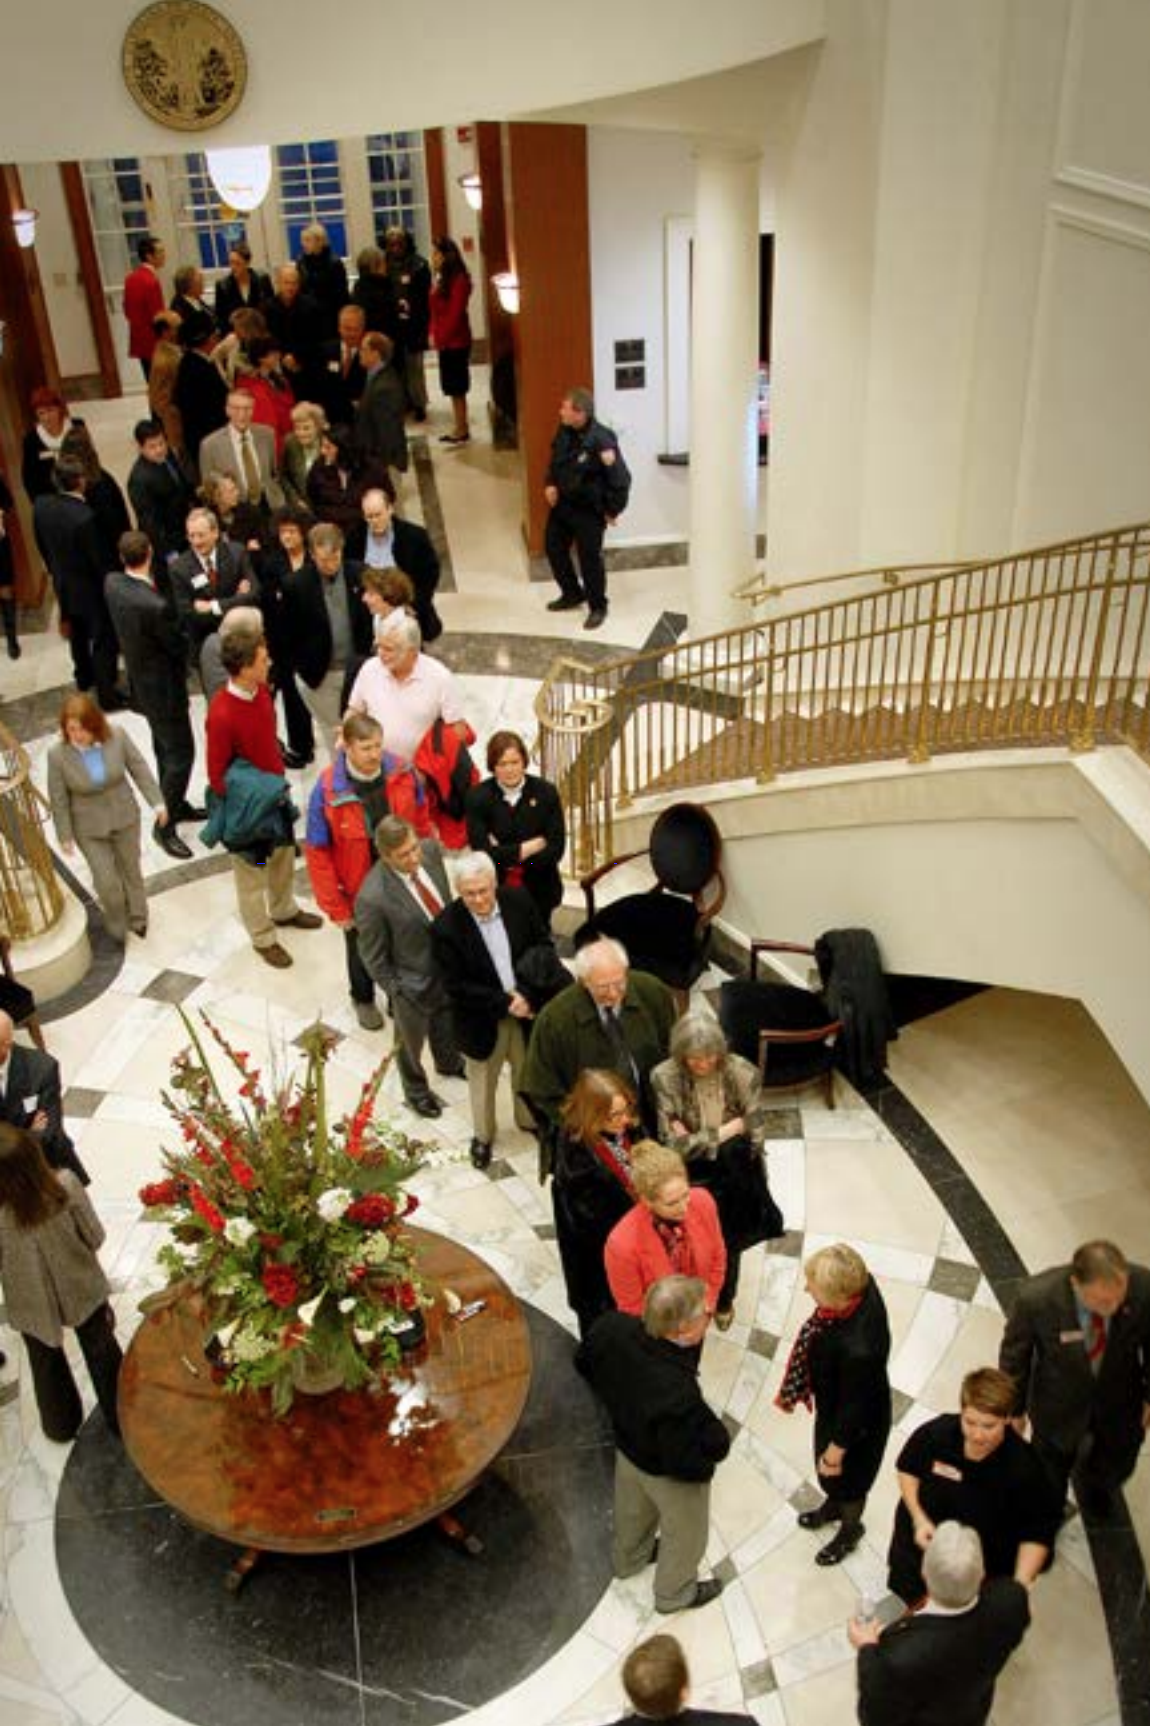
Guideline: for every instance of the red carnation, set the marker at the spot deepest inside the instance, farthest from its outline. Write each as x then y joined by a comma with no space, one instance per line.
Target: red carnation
281,1285
162,1193
208,1211
373,1210
408,1299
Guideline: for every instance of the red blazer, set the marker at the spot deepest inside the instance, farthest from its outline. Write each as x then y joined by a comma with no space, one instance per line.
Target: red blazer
143,300
635,1256
450,325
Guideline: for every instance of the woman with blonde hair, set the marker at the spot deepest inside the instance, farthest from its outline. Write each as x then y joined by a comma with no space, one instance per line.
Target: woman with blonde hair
837,1365
52,1279
671,1230
301,451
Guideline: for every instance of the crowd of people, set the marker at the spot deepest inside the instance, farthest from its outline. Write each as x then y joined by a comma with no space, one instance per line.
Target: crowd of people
268,563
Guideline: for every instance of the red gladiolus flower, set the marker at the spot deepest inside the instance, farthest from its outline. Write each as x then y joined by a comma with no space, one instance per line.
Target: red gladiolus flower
271,1242
162,1193
373,1210
356,1273
281,1285
408,1299
207,1210
411,1205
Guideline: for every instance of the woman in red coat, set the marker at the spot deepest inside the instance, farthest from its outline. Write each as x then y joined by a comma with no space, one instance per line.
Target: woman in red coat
673,1229
451,332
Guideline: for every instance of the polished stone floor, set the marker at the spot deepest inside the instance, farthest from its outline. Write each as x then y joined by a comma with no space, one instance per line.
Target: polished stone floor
774,1641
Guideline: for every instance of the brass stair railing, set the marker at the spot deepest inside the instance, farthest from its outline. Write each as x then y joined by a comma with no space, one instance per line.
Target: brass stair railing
1045,647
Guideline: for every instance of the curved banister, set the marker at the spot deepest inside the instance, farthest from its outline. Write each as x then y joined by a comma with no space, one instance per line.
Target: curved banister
1042,647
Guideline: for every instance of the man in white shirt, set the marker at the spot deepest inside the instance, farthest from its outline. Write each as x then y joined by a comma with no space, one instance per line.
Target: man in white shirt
406,690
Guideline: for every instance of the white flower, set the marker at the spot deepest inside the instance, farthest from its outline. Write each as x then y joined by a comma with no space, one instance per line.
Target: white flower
309,1308
362,1337
224,1337
239,1231
249,1345
332,1204
347,1304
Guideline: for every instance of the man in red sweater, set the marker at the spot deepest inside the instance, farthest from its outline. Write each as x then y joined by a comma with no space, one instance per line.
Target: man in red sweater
242,726
144,301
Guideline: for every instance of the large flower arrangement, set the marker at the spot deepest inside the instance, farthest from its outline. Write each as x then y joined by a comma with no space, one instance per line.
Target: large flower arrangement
288,1227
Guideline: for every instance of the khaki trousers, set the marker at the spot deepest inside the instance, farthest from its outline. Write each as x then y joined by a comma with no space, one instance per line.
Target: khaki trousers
324,706
679,1512
483,1080
264,894
116,876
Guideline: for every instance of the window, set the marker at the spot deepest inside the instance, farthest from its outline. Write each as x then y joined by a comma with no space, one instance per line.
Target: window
203,235
118,200
398,179
311,190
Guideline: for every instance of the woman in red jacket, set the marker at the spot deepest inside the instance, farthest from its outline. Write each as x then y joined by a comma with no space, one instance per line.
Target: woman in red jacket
672,1230
451,332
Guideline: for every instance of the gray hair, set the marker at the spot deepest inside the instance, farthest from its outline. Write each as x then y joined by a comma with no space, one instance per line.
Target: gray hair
474,864
952,1566
673,1303
585,958
697,1033
201,512
325,536
241,620
404,628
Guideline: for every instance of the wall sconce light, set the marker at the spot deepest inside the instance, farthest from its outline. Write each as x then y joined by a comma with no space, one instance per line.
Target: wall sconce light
242,176
506,285
472,188
24,222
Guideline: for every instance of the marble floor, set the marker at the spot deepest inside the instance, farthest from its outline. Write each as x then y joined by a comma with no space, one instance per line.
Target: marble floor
1023,1091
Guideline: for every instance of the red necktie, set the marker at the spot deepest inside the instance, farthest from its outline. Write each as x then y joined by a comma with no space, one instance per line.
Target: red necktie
431,904
1096,1341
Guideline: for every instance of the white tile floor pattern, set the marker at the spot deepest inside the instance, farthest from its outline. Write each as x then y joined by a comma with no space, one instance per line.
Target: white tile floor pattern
774,1641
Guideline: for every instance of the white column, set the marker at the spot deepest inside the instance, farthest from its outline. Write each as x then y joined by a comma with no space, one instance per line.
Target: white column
724,383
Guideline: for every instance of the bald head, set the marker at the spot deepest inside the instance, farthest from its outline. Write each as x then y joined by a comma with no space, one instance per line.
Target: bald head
7,1032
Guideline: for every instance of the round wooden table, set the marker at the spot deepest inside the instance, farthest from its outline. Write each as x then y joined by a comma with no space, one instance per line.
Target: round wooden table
341,1470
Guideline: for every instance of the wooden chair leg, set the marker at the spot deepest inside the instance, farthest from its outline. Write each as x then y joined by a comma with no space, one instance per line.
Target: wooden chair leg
33,1025
829,1087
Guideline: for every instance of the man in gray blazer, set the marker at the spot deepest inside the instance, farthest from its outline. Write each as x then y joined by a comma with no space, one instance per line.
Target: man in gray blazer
30,1097
394,910
246,451
1077,1345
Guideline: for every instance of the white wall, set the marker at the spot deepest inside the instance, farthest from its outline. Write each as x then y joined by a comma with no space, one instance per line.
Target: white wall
1027,870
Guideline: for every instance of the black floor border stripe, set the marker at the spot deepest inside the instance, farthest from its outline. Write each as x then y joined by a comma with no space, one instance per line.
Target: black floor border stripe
1121,1571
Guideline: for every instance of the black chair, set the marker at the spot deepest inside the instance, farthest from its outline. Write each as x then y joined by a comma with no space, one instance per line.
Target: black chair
667,930
17,1001
789,1033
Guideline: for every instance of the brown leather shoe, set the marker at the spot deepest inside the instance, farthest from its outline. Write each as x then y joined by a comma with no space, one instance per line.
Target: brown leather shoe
275,955
301,920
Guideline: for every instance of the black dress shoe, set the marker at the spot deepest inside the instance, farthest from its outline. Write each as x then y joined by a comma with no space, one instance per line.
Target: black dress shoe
116,701
169,840
429,1107
841,1546
567,602
459,1072
595,619
705,1592
296,761
480,1153
827,1511
189,812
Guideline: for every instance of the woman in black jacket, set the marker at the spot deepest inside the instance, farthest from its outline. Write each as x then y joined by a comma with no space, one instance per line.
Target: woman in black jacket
517,820
838,1364
591,1190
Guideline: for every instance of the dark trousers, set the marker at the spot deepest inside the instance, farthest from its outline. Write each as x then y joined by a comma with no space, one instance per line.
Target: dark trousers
571,525
359,979
94,648
61,1411
175,751
414,1026
300,736
1101,1464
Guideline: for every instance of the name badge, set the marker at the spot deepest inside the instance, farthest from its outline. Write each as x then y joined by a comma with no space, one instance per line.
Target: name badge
333,366
200,580
31,1104
946,1471
1072,1336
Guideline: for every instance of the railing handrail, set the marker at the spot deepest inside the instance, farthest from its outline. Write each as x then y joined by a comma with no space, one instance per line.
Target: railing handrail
1043,645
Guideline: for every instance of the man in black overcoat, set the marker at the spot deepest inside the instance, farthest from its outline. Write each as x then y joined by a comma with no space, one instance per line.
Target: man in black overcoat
69,542
155,654
476,942
938,1666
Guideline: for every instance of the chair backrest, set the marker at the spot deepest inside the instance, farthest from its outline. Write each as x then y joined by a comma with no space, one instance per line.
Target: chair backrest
686,849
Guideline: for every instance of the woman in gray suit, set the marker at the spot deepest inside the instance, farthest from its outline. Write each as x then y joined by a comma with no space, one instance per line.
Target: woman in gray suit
93,807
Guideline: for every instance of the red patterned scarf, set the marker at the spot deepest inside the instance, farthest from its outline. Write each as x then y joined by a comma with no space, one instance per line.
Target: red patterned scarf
796,1386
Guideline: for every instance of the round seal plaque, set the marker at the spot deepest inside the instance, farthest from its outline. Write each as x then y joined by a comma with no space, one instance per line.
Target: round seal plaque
184,64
